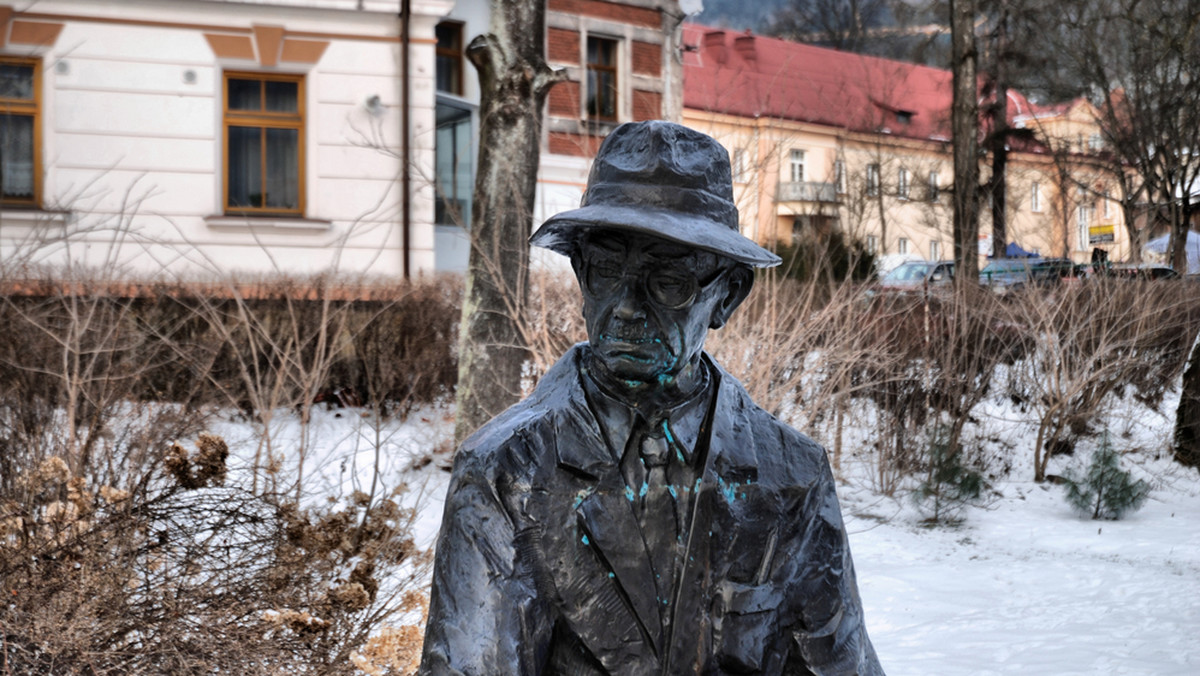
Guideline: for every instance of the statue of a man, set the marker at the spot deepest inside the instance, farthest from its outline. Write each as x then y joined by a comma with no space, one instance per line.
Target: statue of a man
638,513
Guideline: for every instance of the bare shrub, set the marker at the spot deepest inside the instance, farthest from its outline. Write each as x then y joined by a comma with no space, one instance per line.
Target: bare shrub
190,573
1096,339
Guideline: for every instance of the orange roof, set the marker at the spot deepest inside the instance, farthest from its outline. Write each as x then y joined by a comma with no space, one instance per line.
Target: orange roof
755,76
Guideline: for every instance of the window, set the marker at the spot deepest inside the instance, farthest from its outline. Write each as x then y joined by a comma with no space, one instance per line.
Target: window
872,244
934,189
1083,217
602,78
1035,196
264,143
839,176
902,184
935,250
797,160
20,132
872,180
449,57
1095,143
902,245
453,165
739,166
1106,198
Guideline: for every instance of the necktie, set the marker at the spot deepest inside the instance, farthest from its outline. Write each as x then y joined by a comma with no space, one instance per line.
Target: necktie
658,518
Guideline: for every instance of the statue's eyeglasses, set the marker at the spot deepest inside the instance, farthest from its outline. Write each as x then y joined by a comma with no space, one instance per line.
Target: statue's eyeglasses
670,287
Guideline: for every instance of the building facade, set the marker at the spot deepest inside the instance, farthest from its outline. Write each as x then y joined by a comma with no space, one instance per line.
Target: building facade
186,137
620,62
822,140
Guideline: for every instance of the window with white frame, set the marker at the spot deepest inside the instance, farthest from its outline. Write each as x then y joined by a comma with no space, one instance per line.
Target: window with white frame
872,180
872,244
1106,199
935,250
1084,218
20,121
839,176
449,57
264,142
602,78
739,165
902,245
797,164
902,184
934,187
1035,196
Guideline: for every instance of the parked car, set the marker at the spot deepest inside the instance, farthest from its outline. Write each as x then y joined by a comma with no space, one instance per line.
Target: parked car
1143,271
1008,275
914,276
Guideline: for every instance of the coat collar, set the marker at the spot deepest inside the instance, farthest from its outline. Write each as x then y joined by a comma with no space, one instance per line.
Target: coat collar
607,519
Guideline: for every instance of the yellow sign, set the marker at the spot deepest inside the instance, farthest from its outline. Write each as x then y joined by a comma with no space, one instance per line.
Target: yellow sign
1099,234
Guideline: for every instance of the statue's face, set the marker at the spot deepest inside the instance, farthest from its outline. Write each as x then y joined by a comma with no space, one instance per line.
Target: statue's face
648,303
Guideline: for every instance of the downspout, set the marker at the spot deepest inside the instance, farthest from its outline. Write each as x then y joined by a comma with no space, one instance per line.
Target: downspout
405,128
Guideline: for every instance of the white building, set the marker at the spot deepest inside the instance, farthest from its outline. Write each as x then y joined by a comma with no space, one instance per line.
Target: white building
194,136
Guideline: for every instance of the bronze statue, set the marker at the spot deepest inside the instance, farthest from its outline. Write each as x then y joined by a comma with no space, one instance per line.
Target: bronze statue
637,513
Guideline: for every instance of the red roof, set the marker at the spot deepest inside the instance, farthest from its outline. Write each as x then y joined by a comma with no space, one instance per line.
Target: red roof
755,76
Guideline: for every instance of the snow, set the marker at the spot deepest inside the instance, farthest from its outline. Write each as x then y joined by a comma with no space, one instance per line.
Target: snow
1022,586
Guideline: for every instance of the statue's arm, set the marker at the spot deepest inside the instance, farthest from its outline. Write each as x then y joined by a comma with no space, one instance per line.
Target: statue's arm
830,636
484,616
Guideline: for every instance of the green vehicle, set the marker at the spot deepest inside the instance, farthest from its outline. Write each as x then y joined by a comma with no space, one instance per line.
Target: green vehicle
1009,275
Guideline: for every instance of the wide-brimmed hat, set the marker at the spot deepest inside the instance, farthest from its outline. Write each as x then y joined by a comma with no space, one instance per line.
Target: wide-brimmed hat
661,179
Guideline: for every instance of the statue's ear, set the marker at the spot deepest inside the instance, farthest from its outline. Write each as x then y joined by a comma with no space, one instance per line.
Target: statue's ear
738,284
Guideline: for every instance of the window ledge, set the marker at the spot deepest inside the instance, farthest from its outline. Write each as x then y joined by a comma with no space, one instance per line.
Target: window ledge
268,223
33,217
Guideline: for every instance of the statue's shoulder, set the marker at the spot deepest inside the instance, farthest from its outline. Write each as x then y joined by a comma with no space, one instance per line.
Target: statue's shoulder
525,423
782,451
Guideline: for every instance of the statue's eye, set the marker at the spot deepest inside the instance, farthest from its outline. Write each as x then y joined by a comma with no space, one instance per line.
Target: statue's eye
602,277
671,289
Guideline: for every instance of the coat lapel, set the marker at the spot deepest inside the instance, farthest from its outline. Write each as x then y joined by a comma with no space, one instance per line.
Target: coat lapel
730,463
604,511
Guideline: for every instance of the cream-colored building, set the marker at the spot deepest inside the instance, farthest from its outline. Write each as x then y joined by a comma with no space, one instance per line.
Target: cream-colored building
822,139
185,137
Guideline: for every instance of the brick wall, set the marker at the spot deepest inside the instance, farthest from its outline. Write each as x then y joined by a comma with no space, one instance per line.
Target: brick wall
646,105
579,145
647,58
564,99
638,16
563,45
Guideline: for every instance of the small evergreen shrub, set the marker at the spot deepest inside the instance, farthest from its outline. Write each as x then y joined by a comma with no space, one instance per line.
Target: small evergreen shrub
949,485
1105,491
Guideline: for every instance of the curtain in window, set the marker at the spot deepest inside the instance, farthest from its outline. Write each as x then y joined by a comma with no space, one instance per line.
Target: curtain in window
16,156
245,167
283,168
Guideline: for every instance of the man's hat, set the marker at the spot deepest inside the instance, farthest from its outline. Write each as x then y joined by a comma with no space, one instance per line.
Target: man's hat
661,179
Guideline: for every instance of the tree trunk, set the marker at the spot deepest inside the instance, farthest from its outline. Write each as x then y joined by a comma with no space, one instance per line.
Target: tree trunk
1187,416
514,80
964,121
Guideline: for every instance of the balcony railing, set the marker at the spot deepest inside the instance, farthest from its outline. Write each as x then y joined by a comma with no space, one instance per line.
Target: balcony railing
808,191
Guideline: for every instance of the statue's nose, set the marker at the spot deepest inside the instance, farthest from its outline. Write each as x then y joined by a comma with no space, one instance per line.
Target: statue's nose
631,306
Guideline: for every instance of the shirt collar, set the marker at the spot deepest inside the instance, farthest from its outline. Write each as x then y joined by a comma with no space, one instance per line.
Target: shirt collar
684,421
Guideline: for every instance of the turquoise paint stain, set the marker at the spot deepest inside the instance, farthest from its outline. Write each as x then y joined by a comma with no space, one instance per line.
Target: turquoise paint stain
585,540
642,493
671,490
610,575
629,493
579,498
729,491
667,432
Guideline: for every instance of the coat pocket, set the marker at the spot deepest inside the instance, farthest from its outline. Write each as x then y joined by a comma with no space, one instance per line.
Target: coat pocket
743,624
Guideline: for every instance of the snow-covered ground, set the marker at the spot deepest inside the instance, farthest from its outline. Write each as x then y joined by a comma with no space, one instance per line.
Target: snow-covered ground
1022,586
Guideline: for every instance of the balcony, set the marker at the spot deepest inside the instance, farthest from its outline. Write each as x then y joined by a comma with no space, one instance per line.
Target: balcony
808,191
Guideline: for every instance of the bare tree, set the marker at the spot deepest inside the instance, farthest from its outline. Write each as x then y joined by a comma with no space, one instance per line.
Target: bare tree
514,81
964,124
1140,62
